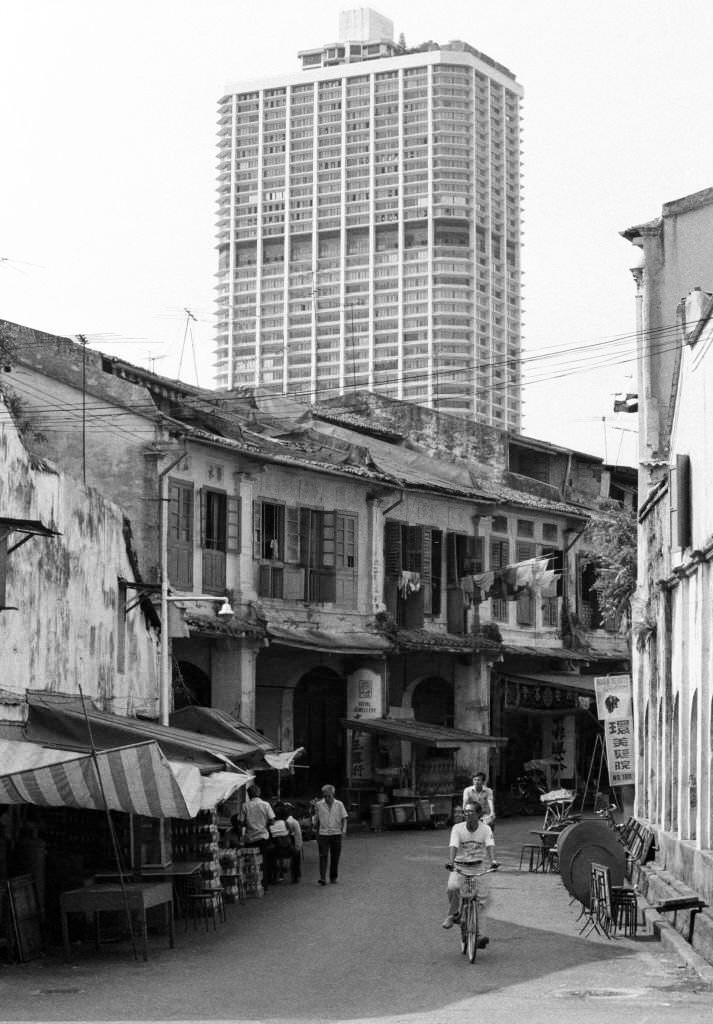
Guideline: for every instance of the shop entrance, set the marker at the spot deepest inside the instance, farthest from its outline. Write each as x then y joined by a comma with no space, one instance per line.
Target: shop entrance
433,702
320,702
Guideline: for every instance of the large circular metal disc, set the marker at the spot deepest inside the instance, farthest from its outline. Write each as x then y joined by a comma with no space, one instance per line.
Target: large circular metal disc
582,844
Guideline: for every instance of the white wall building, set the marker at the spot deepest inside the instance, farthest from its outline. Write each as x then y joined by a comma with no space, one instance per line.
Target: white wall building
369,226
673,653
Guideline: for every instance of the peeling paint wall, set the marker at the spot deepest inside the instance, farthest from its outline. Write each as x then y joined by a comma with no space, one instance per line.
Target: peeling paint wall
64,632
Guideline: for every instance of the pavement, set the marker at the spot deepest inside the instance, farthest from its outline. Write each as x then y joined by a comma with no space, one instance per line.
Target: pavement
372,948
516,831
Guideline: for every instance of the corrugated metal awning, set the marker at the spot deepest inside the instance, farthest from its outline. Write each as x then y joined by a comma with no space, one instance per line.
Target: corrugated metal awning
422,732
60,720
312,639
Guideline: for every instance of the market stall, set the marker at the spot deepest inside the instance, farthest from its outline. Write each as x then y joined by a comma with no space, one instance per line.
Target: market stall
81,805
418,779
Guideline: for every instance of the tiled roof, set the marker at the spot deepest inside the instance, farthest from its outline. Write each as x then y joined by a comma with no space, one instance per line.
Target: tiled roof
426,640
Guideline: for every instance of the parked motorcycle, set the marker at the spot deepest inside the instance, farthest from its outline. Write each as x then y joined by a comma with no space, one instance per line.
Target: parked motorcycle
529,787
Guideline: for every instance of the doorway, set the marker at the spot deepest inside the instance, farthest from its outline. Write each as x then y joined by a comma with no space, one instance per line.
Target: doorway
320,701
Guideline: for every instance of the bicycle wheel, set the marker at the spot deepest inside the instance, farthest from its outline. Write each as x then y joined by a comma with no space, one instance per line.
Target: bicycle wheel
472,931
464,927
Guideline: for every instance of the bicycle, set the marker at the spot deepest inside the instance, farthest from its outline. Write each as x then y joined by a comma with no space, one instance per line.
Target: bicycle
468,911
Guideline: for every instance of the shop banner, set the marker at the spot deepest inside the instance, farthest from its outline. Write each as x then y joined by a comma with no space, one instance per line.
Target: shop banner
616,710
364,700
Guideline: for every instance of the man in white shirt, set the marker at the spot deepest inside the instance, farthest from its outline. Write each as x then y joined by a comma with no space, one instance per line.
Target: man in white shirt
471,849
481,794
330,821
257,815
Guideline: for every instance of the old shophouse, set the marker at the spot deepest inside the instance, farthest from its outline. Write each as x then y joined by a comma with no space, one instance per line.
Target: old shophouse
353,543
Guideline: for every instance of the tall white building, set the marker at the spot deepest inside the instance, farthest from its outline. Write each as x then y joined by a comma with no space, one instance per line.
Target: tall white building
369,226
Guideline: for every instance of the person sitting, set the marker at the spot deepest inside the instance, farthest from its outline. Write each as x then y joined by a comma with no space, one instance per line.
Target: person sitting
234,835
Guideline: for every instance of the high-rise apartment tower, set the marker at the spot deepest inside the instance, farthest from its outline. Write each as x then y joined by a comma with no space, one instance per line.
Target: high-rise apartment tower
369,226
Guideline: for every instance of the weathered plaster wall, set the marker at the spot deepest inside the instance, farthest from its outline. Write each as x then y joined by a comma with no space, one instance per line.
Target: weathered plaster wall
65,588
92,439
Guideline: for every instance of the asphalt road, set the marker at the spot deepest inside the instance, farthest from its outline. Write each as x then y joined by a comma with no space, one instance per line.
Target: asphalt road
372,947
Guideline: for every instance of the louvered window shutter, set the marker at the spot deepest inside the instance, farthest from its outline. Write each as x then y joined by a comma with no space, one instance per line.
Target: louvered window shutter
683,501
451,558
414,549
257,529
393,558
427,570
292,529
204,513
233,524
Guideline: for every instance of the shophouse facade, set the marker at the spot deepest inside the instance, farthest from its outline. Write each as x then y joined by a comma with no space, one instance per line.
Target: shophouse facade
347,539
672,668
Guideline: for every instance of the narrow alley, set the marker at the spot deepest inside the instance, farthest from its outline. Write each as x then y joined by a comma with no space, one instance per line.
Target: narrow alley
372,947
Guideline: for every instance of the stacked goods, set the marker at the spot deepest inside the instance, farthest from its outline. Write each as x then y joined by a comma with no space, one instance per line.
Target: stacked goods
197,839
250,869
230,874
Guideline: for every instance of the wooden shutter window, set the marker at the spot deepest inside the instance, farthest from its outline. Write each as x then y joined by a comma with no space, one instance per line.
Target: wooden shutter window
233,524
414,549
292,534
393,558
257,529
427,570
683,501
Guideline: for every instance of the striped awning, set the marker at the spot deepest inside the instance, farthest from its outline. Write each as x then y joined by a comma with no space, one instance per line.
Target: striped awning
136,779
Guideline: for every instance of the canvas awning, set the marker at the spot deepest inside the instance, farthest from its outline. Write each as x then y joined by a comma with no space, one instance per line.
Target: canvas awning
219,724
313,639
136,779
561,680
60,720
439,736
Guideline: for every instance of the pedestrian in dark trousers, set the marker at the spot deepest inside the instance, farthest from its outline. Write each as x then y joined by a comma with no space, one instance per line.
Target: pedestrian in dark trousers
330,822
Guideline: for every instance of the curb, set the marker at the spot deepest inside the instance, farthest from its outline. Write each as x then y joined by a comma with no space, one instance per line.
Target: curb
675,943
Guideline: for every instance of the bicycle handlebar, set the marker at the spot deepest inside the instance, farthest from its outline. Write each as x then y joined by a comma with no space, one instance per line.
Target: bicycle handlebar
477,874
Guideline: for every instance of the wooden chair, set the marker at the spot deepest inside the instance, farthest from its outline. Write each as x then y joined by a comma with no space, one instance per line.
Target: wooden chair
600,916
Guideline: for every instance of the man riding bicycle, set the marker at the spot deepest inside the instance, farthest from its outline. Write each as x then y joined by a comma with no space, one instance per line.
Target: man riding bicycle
471,843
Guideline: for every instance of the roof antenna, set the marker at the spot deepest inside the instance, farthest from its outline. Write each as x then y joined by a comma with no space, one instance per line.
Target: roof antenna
186,331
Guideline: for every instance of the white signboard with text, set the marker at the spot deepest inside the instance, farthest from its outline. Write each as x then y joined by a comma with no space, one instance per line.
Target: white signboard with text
615,709
364,700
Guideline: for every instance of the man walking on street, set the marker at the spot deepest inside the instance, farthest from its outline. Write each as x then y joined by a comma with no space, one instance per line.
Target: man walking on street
330,822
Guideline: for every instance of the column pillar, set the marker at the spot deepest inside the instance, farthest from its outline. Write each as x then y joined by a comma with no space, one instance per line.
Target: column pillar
233,679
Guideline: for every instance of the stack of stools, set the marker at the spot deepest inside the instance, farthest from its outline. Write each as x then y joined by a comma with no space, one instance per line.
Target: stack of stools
625,909
250,869
204,897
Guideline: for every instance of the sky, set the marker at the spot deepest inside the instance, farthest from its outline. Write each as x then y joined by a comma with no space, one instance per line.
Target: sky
108,116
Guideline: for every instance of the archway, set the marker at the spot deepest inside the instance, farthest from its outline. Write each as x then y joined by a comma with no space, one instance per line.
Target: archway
433,702
693,769
320,700
674,782
191,686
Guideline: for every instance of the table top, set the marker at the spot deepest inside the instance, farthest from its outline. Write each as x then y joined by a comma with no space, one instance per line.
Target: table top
179,869
112,895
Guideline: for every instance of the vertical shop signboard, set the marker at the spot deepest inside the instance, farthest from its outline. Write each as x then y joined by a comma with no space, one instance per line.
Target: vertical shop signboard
364,689
615,709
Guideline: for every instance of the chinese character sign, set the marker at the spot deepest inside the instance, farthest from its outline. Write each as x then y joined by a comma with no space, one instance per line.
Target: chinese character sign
364,700
615,710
